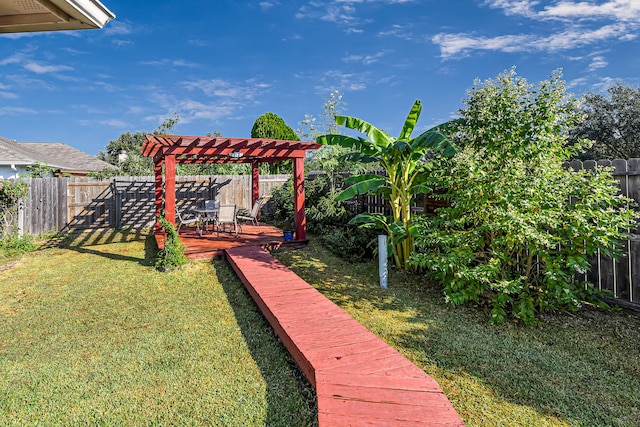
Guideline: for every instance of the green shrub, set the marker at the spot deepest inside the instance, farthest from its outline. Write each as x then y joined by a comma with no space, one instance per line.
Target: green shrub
172,255
10,194
349,242
14,245
327,218
521,228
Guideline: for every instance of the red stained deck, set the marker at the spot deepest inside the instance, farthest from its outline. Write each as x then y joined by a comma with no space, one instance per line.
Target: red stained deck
210,245
359,379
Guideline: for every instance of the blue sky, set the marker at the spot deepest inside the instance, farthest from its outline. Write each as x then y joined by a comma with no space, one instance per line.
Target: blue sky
221,64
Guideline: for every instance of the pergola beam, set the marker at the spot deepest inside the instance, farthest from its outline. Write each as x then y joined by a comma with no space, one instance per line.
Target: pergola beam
168,150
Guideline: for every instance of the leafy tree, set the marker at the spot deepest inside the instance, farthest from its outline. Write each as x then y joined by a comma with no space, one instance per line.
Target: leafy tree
125,152
612,123
403,160
329,158
271,126
521,228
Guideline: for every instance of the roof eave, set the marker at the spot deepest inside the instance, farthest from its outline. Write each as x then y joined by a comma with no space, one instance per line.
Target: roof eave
63,15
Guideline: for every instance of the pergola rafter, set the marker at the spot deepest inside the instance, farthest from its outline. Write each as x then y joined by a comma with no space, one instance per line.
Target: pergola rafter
169,150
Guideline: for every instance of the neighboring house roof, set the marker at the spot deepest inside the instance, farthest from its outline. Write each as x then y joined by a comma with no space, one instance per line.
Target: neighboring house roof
48,15
54,154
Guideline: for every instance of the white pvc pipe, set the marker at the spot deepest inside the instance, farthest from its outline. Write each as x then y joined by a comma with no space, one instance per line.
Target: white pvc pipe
382,260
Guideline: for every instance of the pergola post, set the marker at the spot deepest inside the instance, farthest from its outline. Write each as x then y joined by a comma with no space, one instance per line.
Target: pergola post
298,199
157,171
170,189
255,181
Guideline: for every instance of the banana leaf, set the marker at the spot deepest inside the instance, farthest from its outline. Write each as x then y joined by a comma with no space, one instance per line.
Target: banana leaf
371,220
379,137
356,156
354,179
410,122
368,184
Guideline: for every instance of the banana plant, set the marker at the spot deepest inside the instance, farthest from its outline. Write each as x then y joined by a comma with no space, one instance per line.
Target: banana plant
403,159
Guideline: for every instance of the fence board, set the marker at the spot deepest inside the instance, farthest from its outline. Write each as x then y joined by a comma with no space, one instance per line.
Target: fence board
63,204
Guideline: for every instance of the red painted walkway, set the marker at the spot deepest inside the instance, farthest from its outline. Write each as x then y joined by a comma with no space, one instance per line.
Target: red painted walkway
359,379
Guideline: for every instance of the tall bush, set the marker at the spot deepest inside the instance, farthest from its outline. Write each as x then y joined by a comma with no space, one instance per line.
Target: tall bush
172,255
521,228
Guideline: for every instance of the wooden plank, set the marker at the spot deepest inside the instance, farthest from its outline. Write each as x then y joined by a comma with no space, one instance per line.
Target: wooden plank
634,246
623,283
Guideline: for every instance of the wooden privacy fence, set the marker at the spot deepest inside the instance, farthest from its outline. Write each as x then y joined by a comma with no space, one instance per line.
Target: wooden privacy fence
71,204
622,276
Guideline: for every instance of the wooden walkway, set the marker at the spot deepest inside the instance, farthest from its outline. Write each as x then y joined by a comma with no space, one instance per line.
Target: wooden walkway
359,379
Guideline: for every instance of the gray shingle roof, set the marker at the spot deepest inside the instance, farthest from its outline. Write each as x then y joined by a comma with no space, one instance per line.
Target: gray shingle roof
54,154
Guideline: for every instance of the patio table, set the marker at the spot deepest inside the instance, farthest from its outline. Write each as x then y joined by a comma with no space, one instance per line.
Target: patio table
204,215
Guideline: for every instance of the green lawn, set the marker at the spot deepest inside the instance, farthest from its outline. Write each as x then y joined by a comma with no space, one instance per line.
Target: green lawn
577,370
92,334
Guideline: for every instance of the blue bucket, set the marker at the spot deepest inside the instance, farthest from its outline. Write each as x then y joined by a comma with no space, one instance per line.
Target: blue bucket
288,235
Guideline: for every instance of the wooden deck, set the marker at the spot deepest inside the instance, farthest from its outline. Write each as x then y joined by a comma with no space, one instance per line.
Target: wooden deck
210,245
359,379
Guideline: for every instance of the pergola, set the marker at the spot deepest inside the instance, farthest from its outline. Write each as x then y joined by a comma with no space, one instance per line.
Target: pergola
169,150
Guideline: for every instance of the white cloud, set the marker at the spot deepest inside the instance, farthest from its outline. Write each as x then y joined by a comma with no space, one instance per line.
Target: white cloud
597,62
16,110
265,5
118,28
452,45
623,10
120,124
16,58
341,12
44,69
8,95
171,62
238,91
399,31
335,79
364,59
577,24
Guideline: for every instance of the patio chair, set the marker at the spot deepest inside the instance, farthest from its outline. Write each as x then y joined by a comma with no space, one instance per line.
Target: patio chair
227,216
255,211
185,221
210,217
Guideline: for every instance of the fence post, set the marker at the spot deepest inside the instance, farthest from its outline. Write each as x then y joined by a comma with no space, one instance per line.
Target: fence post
117,202
21,217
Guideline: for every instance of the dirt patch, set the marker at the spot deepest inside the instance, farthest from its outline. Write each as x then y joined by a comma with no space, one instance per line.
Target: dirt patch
9,265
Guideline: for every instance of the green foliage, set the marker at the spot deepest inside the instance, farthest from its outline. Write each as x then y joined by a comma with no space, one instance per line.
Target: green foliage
125,152
271,126
402,158
327,218
521,228
612,122
13,244
172,255
39,170
10,194
329,159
